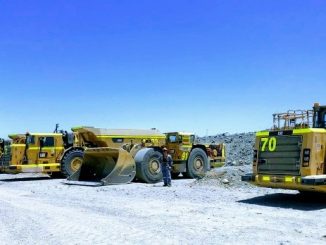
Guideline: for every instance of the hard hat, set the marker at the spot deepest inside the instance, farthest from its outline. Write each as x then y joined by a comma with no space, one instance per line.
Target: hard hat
165,149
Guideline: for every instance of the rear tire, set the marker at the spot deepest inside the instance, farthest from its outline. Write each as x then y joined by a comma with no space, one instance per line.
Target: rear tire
148,167
197,164
71,162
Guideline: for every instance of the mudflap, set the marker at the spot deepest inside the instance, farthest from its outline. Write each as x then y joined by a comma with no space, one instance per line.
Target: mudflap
104,166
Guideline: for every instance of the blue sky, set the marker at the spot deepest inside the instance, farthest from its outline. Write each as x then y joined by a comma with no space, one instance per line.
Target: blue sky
201,66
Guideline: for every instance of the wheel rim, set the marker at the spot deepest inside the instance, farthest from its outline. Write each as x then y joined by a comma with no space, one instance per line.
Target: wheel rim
76,163
154,166
198,164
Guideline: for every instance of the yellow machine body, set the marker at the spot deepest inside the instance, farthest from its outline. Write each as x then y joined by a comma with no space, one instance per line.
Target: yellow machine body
34,157
292,156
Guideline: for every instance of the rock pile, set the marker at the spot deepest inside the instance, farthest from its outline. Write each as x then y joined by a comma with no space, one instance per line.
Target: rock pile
239,156
228,177
239,147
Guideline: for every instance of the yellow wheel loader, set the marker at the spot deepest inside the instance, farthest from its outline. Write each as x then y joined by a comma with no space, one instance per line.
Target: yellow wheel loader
118,156
292,155
112,156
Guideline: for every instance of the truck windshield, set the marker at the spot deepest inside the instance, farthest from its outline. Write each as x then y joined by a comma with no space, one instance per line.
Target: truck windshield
173,138
320,119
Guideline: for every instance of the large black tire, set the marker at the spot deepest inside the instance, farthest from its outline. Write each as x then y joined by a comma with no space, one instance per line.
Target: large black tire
197,164
70,162
148,168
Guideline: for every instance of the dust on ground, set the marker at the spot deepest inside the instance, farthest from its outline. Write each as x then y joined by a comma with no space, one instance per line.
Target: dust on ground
203,211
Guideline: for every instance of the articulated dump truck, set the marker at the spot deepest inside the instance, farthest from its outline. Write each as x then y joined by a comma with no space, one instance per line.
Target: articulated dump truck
114,156
293,154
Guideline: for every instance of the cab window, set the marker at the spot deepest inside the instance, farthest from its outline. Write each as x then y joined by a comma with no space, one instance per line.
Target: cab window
117,140
30,140
173,139
47,141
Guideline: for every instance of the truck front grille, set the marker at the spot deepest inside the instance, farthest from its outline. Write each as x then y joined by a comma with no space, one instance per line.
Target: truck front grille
284,159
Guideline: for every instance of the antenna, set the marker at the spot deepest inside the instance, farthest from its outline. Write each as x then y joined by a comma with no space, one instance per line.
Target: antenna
56,128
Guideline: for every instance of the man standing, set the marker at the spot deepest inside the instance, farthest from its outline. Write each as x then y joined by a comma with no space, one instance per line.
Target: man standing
166,165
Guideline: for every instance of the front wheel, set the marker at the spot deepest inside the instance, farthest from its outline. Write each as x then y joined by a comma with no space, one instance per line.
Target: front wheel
197,164
148,167
71,162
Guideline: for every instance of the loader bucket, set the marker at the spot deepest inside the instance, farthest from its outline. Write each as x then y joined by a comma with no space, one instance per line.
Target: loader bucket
104,166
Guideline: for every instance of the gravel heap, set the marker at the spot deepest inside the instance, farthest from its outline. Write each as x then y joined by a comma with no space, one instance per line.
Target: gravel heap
239,157
239,147
228,177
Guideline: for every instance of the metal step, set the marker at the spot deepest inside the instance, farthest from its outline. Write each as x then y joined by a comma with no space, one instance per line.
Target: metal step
314,180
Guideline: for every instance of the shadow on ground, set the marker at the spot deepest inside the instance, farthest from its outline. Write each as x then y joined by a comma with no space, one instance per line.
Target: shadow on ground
24,179
304,202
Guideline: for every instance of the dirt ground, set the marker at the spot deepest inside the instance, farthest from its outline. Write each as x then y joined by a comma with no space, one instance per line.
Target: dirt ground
45,211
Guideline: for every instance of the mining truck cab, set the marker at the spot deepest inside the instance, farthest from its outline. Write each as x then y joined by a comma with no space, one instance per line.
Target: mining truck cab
35,153
292,154
179,145
319,120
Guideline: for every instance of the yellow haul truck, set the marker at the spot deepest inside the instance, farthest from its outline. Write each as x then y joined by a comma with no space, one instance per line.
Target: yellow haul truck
292,154
48,153
118,156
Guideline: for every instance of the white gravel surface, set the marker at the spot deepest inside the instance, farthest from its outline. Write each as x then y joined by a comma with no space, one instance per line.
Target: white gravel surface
190,212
